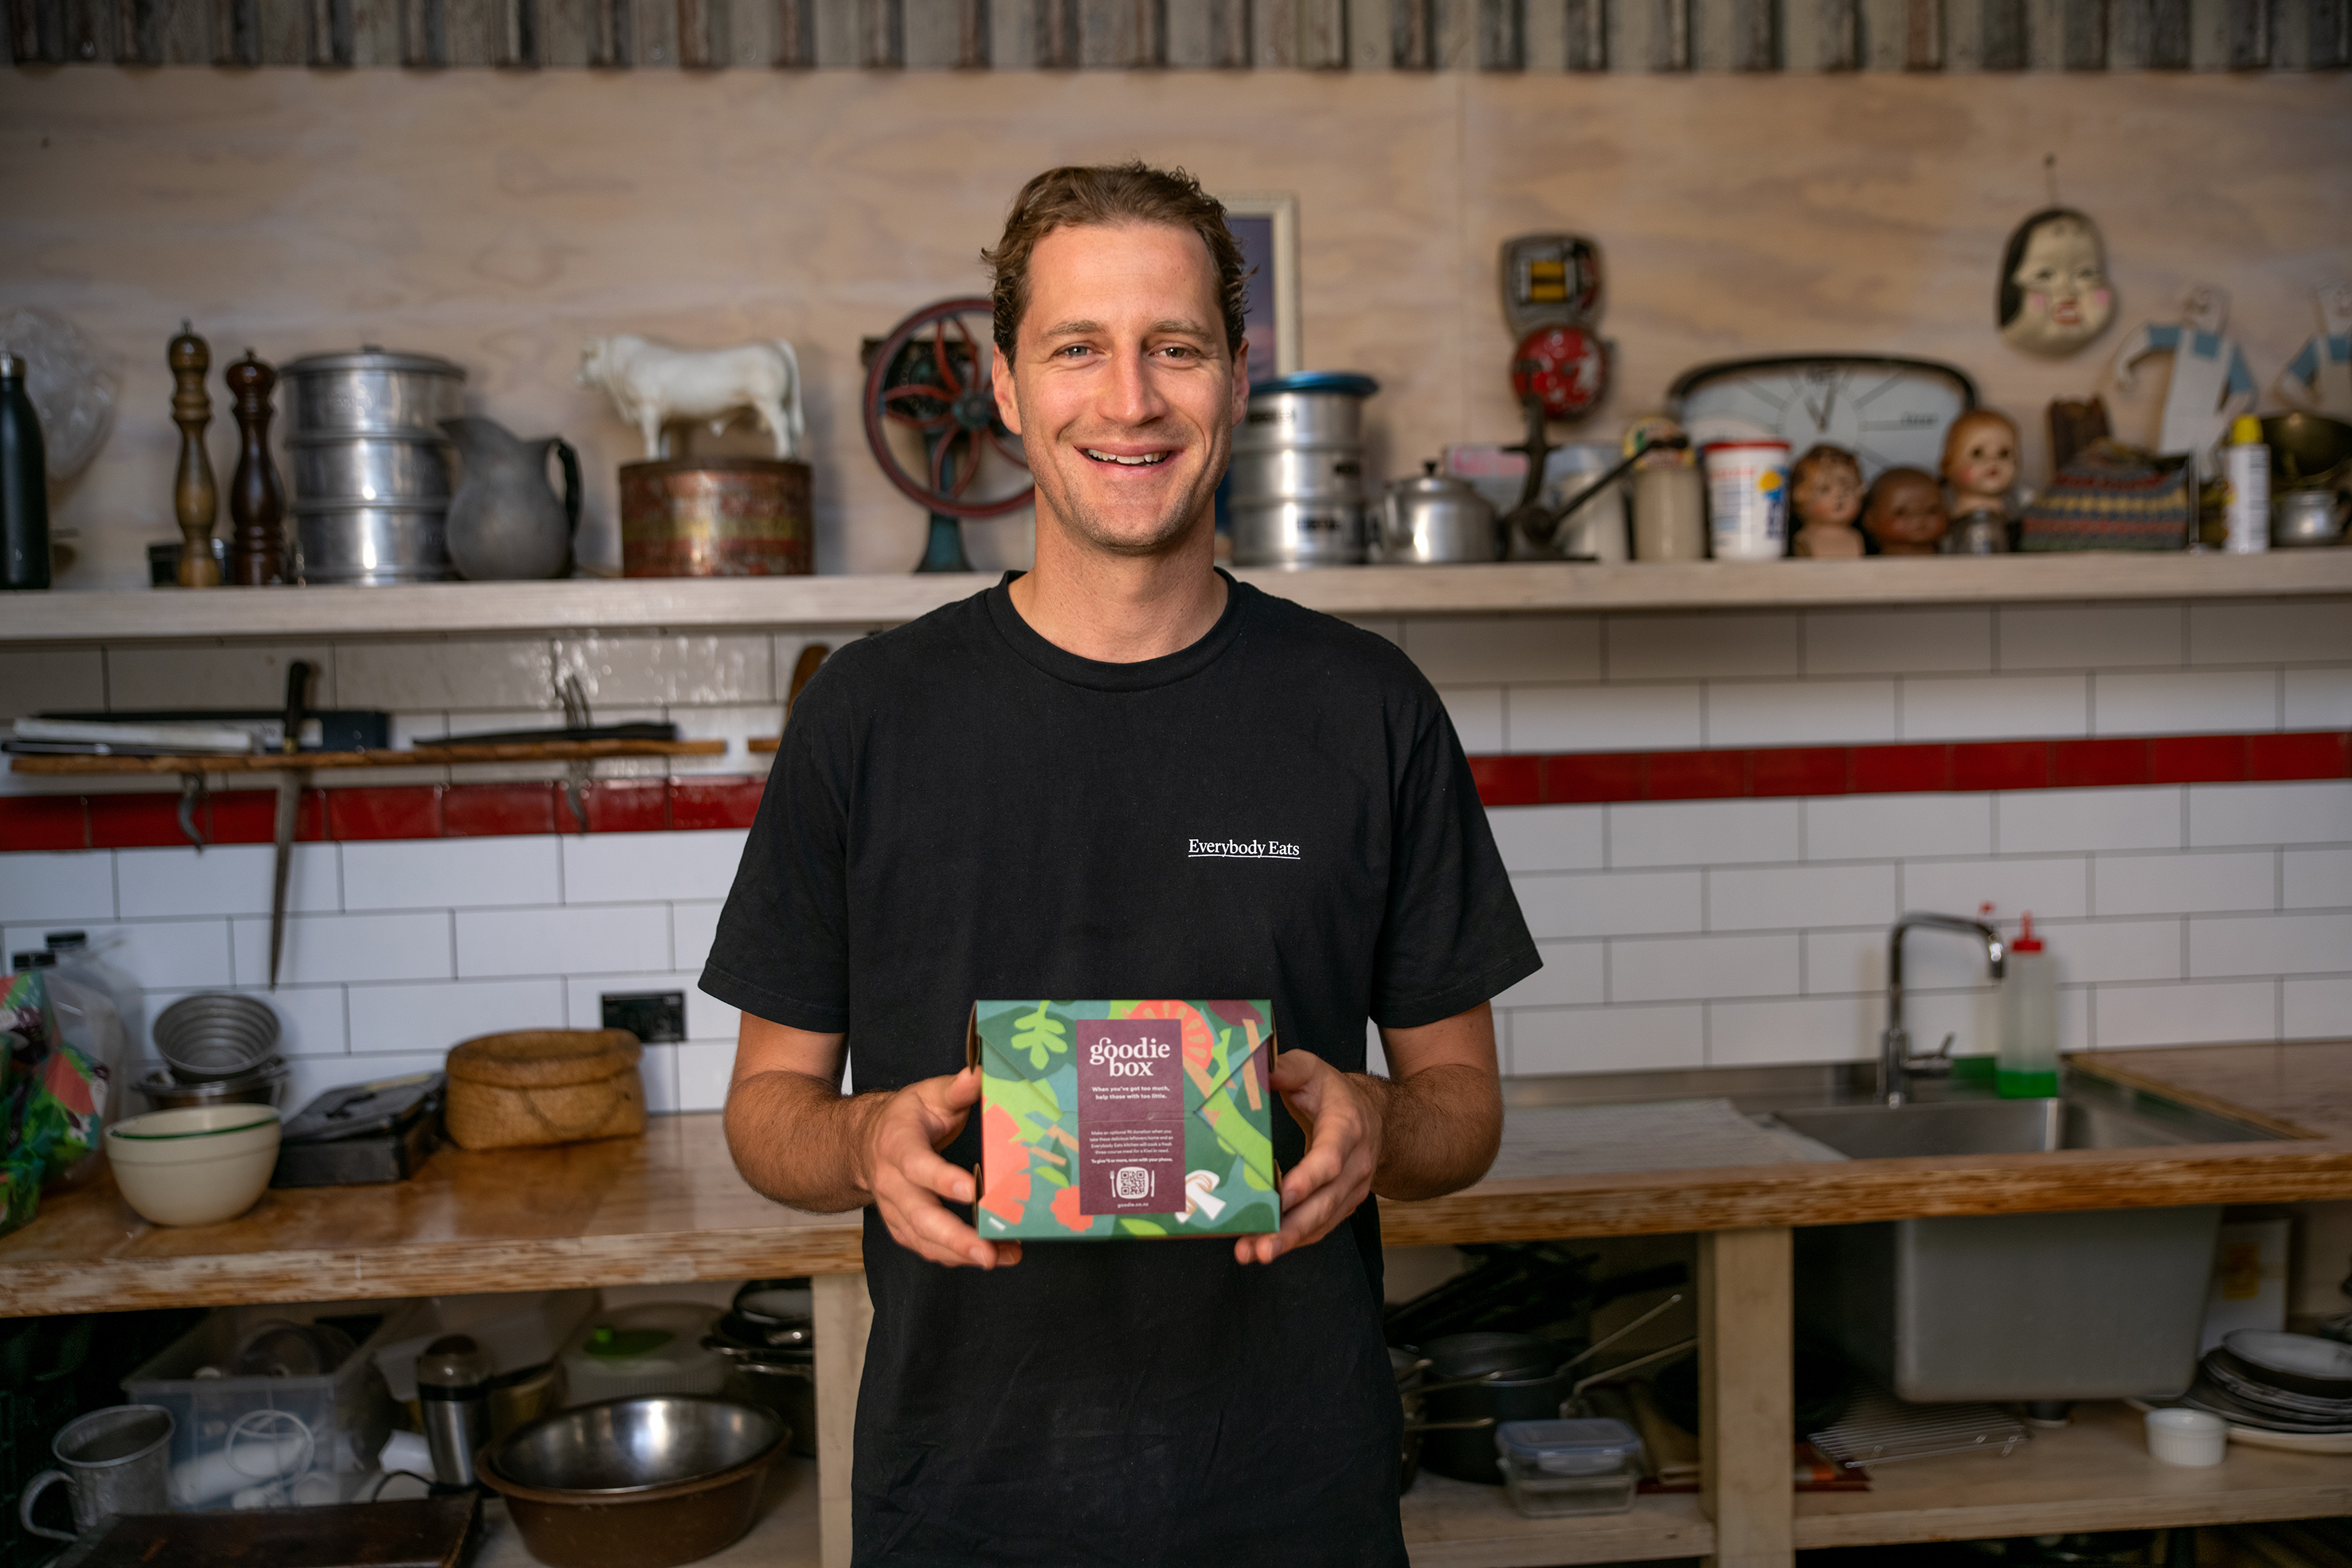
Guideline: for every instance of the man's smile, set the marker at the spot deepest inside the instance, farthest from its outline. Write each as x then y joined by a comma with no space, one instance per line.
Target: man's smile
1129,459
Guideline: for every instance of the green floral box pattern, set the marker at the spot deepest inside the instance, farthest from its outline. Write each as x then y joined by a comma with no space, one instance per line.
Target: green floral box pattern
1043,1065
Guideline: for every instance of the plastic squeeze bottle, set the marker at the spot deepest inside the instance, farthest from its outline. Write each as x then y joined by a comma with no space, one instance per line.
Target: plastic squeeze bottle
2027,1067
2246,464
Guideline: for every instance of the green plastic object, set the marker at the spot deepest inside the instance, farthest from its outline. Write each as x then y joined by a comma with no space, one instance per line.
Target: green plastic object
625,1344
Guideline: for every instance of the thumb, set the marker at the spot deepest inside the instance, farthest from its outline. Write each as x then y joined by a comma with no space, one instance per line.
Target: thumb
962,1091
1293,1071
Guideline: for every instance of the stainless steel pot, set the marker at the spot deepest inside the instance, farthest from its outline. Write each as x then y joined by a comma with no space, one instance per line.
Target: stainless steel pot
373,545
1436,519
1299,474
1322,407
353,468
2303,518
1291,534
373,393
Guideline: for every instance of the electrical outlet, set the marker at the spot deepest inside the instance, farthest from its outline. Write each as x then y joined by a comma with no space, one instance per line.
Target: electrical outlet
653,1017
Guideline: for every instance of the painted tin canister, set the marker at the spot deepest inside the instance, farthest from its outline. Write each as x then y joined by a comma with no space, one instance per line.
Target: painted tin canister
1748,499
717,517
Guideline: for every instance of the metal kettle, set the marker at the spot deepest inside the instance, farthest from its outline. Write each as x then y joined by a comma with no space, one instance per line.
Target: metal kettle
1434,520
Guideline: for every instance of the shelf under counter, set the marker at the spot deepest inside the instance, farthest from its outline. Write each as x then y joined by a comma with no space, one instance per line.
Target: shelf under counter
681,604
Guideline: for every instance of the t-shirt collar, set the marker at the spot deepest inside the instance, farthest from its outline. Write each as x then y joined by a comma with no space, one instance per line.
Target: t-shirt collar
1169,668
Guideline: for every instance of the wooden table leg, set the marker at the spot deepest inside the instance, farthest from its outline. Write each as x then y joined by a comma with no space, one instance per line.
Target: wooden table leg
844,1313
1746,1401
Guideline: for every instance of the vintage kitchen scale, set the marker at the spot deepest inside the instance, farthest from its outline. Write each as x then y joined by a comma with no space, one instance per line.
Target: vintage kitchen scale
930,379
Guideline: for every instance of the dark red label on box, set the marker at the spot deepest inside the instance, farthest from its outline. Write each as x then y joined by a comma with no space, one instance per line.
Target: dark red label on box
1130,1115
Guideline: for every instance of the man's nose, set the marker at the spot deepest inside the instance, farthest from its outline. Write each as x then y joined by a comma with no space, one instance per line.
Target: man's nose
1133,395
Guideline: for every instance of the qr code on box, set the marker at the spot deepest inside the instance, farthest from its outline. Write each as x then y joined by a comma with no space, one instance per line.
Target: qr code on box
1133,1181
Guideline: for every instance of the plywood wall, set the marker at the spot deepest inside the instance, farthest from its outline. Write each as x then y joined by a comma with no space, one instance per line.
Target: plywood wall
497,218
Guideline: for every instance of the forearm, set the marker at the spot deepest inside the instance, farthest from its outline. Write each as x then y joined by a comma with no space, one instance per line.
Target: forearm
1439,1129
797,1139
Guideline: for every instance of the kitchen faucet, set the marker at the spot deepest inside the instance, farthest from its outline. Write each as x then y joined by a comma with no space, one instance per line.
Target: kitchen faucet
1895,1062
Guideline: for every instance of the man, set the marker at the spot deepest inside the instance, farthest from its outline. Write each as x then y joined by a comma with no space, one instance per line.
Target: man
997,800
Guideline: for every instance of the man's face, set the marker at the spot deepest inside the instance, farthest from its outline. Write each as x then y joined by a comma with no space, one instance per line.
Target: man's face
1120,387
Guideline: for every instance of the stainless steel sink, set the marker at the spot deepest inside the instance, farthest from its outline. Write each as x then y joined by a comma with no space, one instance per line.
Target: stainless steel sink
2094,1304
2090,1114
2085,1305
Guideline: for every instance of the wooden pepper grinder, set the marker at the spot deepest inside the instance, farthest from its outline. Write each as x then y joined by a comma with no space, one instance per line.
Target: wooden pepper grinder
257,556
194,498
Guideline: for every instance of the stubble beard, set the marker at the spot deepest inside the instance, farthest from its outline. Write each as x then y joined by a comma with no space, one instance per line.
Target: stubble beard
1166,533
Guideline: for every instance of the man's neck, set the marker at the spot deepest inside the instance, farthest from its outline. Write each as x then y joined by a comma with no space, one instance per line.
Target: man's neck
1119,610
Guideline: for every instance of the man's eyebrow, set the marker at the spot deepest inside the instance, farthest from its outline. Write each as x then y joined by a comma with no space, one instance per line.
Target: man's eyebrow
1073,328
1084,329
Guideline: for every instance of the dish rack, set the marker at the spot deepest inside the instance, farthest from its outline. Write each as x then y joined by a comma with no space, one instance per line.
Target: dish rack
1878,1428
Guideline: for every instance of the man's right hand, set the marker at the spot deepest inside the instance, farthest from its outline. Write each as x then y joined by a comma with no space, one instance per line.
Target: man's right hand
898,1163
798,1139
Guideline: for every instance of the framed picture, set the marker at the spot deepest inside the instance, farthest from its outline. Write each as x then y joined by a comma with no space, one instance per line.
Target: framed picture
1267,227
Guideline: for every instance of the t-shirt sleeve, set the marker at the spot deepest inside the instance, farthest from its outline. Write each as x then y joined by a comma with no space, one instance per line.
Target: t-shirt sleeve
782,950
1452,936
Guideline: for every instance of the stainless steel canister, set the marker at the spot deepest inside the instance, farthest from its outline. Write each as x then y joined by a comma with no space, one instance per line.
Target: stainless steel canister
373,472
1298,495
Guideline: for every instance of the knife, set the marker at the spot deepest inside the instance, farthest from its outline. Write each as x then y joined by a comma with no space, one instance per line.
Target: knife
289,806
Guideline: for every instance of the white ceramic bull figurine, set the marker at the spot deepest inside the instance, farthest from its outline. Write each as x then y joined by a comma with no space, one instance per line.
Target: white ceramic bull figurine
652,385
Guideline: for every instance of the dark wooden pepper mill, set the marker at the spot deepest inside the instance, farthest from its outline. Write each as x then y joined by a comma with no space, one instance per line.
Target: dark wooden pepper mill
194,498
257,555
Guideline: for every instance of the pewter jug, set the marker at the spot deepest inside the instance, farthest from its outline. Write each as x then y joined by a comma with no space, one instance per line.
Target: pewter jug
1435,519
506,524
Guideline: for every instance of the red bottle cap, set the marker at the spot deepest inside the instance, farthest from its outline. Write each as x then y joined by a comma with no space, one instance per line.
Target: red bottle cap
2027,941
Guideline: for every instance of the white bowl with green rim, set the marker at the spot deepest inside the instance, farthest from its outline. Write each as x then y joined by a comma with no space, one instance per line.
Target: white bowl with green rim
198,1166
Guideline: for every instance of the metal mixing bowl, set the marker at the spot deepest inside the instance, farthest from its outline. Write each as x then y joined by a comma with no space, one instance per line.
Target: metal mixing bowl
626,1445
2305,448
215,1035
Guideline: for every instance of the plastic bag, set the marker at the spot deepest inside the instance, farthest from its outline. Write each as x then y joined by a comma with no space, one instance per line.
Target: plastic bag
94,1045
54,1091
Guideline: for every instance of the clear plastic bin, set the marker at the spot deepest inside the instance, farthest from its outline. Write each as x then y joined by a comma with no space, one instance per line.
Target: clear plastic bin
271,1440
1556,1467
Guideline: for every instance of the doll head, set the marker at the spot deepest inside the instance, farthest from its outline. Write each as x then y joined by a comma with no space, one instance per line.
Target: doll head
2054,295
1980,457
1825,487
1906,514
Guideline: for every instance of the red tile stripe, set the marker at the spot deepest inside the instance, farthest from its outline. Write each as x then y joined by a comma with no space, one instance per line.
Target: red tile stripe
53,823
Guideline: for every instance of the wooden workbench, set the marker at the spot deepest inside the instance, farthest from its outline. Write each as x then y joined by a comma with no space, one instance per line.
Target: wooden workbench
669,1208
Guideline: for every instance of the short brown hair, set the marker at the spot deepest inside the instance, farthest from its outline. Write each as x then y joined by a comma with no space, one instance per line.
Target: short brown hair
1080,195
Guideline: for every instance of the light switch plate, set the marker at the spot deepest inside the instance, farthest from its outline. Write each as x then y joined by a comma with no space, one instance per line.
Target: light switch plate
654,1016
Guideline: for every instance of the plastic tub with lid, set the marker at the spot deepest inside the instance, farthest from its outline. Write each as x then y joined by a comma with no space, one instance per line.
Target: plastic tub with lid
654,1348
1556,1467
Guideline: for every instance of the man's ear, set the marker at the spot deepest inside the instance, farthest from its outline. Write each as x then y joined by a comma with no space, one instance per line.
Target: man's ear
1000,381
1241,383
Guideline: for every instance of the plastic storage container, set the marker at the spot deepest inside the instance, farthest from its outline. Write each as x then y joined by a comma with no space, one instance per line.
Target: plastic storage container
2027,1067
262,1438
1556,1467
656,1348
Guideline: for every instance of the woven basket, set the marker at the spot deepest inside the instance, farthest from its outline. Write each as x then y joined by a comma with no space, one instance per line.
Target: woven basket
544,1086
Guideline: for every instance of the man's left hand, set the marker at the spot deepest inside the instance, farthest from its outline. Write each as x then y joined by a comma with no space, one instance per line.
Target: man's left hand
1343,1115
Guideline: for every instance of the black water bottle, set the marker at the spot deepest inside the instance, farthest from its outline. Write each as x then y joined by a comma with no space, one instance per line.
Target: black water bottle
24,483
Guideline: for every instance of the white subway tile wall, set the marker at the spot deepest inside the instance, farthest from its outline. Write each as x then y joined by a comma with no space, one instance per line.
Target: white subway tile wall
1674,934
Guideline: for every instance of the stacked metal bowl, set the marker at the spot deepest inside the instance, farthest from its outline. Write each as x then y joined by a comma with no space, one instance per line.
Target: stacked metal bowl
219,1049
373,469
2280,1381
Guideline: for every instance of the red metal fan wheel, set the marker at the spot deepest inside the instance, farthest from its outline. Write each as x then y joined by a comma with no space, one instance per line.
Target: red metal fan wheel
969,415
1564,368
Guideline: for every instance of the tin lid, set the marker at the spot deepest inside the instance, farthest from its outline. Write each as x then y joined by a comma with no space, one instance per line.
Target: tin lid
1348,384
372,357
1587,1446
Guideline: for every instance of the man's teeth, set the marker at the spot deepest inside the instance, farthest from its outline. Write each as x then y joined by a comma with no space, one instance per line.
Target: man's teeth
1145,461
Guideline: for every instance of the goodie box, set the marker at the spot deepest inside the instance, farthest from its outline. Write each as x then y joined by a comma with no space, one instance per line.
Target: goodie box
1103,1120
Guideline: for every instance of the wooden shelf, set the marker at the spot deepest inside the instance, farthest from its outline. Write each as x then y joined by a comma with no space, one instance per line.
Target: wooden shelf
324,761
1453,1524
2093,1475
453,609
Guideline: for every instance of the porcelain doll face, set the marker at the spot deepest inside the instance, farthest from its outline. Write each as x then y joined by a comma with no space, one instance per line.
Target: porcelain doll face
2055,293
1827,491
2336,308
2206,307
1906,512
1981,458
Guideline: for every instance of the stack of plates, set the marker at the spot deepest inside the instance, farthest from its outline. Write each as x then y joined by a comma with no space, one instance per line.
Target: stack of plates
2277,1383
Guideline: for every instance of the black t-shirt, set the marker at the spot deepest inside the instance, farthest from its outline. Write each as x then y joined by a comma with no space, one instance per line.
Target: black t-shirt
961,810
